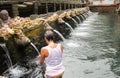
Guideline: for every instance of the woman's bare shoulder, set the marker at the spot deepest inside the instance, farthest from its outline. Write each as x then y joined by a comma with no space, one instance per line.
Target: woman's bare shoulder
61,46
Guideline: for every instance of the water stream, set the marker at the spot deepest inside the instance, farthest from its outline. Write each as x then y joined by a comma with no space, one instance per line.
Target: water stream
78,19
59,34
9,61
69,26
74,21
34,47
82,17
92,51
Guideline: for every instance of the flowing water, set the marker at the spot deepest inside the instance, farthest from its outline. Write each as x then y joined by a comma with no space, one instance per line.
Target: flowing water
69,26
78,19
9,61
82,17
74,21
35,48
59,34
92,49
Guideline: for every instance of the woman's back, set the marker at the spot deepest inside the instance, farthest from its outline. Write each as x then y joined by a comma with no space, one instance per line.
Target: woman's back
54,56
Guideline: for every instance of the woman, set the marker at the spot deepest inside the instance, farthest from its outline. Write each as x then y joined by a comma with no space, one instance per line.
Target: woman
52,56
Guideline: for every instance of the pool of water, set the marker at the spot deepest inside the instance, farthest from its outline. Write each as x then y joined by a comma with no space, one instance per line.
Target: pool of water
92,51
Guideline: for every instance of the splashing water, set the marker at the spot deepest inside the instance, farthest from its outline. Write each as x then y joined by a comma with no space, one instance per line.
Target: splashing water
93,56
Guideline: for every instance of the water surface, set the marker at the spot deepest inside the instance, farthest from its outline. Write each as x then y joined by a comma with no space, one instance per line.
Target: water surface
93,48
91,51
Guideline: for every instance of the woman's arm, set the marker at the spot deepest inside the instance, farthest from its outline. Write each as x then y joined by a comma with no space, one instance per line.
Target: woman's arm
44,53
61,47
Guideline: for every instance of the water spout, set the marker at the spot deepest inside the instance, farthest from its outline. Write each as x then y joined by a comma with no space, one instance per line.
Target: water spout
74,21
59,34
82,17
3,45
34,47
25,41
48,27
78,19
85,14
60,20
69,26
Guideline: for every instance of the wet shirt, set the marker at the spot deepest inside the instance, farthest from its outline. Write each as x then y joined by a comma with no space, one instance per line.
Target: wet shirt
54,61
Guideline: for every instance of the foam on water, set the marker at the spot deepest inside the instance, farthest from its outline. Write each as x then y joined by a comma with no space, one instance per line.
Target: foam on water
72,44
18,71
82,34
94,55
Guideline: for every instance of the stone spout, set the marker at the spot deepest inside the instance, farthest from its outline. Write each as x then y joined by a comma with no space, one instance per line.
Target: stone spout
60,20
23,41
47,26
68,14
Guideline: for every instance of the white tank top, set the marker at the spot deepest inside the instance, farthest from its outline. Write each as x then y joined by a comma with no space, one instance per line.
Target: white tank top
54,61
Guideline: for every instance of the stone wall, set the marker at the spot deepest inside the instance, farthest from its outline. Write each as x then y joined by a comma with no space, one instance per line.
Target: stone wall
103,8
22,53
